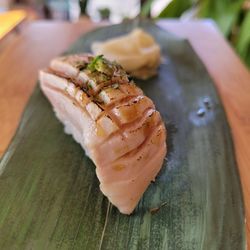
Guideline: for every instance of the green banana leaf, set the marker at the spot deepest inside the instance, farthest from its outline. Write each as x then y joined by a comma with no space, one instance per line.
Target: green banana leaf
176,8
224,12
243,42
50,197
146,7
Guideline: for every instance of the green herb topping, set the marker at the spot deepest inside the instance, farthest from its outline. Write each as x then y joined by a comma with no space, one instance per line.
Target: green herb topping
102,65
93,63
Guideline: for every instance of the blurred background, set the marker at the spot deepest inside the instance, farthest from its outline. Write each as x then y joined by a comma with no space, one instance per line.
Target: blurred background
231,16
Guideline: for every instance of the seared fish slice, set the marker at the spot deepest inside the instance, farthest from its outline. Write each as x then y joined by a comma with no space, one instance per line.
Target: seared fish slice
115,123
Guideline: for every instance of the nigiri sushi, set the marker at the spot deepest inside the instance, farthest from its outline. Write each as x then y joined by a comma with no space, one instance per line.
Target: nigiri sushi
114,122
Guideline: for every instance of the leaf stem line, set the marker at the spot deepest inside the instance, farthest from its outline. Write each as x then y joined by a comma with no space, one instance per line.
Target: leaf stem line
105,225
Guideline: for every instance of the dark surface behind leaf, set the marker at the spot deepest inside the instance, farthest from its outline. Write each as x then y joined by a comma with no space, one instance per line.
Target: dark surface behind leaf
49,194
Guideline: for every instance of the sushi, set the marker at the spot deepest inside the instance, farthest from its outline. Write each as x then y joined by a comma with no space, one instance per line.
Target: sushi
114,122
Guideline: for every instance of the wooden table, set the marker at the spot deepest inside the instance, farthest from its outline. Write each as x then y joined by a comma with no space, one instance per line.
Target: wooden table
40,41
